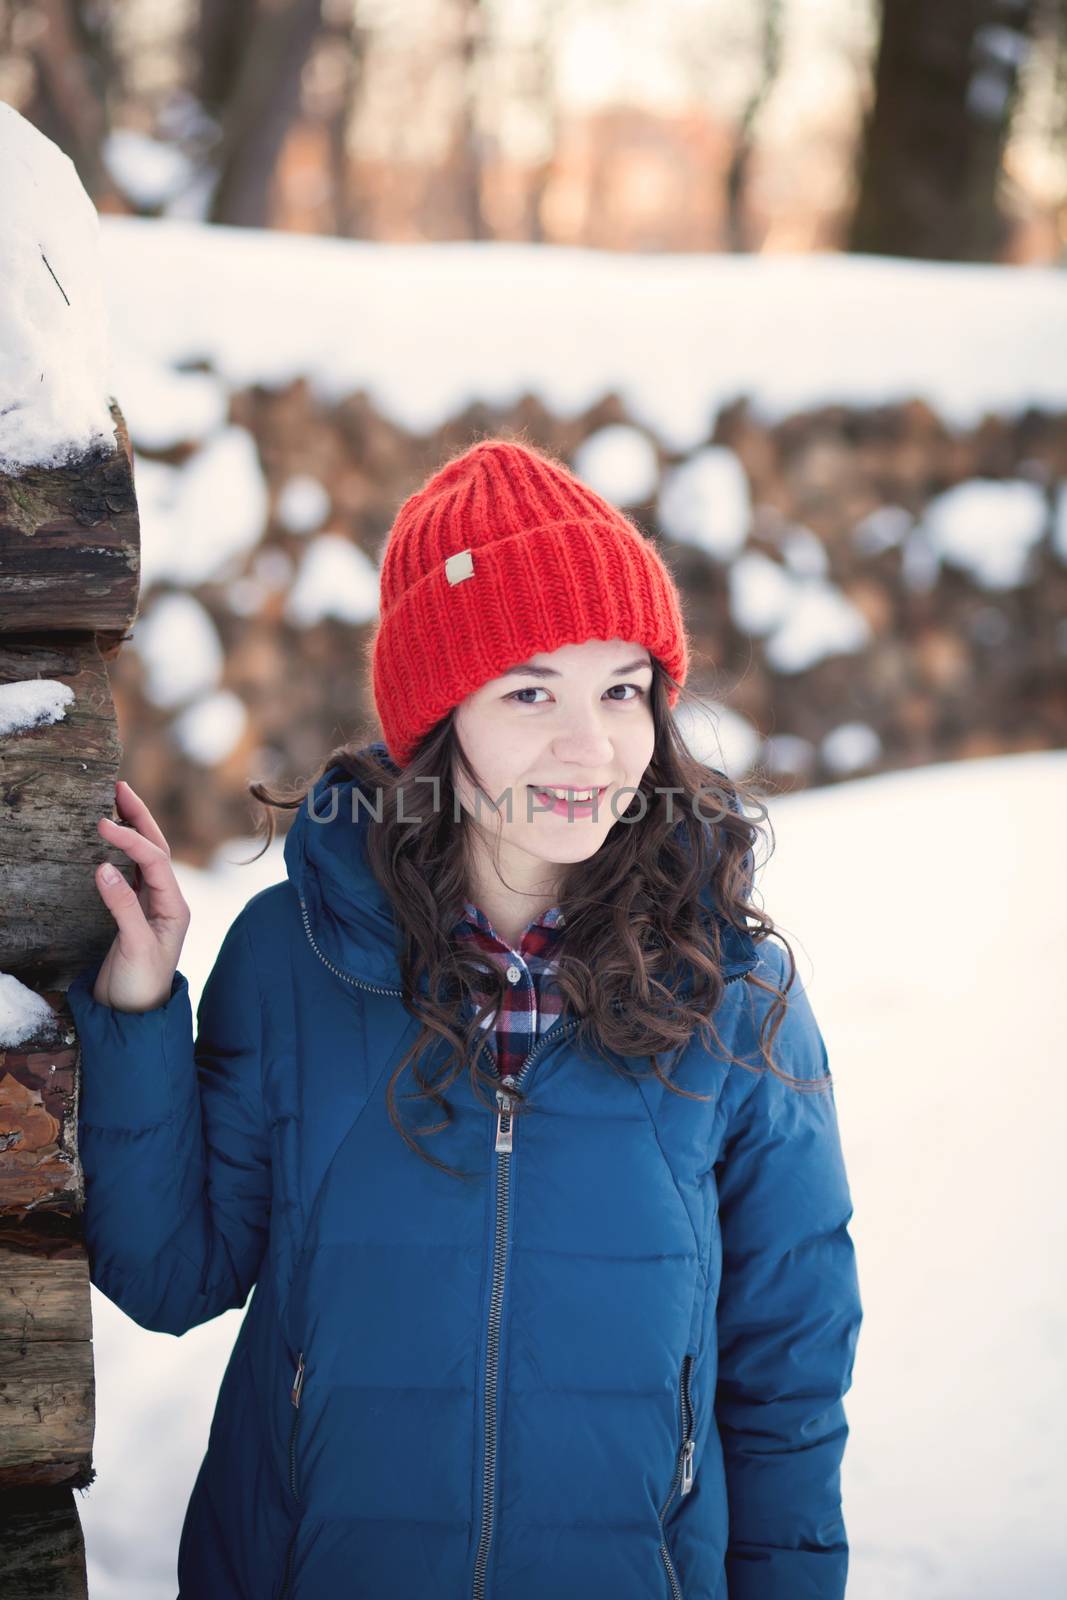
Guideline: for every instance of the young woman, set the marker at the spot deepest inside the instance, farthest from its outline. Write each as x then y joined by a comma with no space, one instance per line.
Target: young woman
507,1103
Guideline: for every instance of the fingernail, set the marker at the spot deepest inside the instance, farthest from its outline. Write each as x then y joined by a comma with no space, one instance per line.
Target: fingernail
109,873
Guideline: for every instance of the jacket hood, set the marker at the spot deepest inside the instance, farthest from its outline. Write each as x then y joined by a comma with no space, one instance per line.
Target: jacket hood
348,914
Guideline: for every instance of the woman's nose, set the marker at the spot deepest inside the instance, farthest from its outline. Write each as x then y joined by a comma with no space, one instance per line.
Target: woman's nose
583,740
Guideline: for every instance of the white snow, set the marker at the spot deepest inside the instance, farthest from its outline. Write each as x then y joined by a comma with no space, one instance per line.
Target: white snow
54,382
164,407
23,1014
246,596
787,754
935,974
988,527
31,703
180,647
211,728
336,579
804,552
850,747
719,736
148,172
676,335
620,463
303,504
882,529
760,592
199,519
789,331
705,501
820,621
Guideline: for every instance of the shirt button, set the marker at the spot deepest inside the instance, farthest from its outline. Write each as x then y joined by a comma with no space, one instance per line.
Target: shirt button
514,974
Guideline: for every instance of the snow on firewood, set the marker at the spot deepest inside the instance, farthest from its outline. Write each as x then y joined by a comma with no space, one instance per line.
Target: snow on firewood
32,702
23,1014
54,373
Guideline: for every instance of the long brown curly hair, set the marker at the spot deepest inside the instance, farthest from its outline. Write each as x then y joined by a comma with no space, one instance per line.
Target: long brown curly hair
632,915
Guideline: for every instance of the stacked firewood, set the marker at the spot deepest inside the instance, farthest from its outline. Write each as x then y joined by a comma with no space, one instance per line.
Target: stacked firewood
69,572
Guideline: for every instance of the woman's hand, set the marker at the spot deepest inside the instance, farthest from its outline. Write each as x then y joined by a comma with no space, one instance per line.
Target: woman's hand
153,918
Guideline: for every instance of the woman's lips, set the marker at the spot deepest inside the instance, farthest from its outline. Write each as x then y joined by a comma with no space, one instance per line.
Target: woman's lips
568,808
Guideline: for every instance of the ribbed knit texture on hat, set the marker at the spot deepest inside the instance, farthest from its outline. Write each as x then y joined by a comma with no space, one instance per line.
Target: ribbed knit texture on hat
553,563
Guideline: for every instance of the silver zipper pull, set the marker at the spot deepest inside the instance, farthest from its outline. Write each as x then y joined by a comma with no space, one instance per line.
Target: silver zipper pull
298,1381
503,1121
688,1450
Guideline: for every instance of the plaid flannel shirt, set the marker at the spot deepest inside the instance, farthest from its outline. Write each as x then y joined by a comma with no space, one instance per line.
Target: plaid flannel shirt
532,1003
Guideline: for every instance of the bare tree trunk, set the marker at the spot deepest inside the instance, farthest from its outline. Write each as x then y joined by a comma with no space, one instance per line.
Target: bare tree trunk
543,91
468,138
346,206
73,73
254,91
946,84
737,176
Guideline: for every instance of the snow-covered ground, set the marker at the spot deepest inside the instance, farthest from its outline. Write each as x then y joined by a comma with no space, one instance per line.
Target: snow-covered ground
928,916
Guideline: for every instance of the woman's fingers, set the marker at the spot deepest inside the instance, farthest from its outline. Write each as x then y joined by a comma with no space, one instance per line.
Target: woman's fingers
123,904
135,812
164,896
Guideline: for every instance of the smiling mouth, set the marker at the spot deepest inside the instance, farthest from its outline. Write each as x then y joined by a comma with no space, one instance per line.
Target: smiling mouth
568,799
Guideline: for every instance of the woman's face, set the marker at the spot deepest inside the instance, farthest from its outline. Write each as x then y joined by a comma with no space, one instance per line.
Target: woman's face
575,719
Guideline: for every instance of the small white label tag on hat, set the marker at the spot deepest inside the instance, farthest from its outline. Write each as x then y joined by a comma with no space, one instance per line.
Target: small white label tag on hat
459,566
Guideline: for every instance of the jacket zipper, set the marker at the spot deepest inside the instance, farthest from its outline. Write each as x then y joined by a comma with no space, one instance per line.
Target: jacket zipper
683,1472
503,1147
294,1396
347,977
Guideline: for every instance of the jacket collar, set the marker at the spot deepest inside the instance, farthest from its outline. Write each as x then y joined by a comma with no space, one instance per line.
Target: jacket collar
348,914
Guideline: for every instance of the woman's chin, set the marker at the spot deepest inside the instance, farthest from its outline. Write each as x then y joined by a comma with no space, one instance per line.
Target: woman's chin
562,846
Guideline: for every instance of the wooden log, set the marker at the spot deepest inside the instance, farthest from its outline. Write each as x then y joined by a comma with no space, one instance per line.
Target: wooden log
46,1357
55,781
70,557
39,1166
42,1553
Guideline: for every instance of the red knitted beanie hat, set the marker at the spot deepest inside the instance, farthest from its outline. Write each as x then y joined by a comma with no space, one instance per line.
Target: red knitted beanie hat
502,553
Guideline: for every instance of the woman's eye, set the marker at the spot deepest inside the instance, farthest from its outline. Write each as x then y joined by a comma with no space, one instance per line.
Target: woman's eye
537,689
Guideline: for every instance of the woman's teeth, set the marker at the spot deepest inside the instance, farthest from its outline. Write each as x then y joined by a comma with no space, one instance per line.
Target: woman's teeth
579,796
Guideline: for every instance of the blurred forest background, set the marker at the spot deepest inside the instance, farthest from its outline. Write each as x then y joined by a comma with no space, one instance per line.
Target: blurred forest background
891,126
871,585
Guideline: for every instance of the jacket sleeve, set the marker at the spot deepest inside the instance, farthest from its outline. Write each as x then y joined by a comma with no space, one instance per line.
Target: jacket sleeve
789,1314
175,1145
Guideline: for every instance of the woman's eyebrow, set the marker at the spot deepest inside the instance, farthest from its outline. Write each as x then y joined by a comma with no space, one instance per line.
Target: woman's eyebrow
550,672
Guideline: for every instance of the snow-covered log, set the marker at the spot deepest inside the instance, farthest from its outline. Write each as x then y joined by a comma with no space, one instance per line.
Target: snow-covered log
69,543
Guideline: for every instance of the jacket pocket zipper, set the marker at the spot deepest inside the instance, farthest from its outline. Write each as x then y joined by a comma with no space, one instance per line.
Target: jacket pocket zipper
294,1395
683,1471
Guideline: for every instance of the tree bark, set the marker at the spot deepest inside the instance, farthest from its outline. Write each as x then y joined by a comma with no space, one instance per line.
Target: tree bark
946,82
263,96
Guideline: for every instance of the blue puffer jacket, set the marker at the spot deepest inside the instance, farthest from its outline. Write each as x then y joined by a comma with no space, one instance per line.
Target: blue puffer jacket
608,1366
